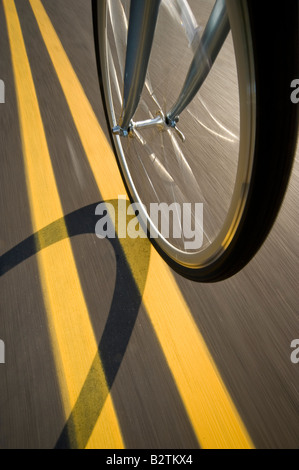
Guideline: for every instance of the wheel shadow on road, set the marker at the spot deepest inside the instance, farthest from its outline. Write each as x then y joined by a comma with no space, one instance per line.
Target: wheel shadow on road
127,298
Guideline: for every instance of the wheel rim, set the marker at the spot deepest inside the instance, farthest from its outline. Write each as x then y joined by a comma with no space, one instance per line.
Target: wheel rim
217,236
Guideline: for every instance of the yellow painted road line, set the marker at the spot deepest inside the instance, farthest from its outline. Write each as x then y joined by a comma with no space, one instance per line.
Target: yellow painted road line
71,332
211,411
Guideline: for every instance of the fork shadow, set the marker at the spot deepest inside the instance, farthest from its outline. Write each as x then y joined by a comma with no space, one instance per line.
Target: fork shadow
118,329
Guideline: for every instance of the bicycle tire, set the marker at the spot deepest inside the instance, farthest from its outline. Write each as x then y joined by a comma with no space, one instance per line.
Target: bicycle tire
274,61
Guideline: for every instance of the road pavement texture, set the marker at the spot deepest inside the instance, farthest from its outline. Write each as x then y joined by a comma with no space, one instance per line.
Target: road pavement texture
106,347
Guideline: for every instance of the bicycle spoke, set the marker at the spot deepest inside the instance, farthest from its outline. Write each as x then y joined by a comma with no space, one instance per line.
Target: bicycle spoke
228,139
234,137
182,13
114,79
185,185
119,24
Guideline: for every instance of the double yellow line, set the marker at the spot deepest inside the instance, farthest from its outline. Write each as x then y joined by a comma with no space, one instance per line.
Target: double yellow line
211,411
74,344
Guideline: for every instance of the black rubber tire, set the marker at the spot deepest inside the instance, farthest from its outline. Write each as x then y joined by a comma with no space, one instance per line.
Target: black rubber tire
275,41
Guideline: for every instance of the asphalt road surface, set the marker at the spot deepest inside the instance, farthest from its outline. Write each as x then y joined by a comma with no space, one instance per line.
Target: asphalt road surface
105,347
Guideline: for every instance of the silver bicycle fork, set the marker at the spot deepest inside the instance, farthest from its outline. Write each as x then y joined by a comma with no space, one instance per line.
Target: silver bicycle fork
142,25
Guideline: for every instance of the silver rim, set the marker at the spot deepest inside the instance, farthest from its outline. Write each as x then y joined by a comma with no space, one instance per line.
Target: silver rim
217,244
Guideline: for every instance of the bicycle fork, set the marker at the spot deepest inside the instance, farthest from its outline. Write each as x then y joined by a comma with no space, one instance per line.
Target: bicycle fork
142,25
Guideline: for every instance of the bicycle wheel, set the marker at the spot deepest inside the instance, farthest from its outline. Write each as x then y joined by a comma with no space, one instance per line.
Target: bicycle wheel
216,195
